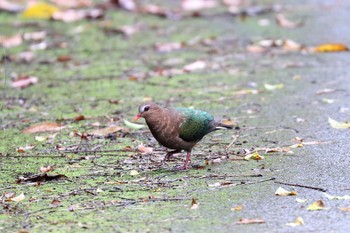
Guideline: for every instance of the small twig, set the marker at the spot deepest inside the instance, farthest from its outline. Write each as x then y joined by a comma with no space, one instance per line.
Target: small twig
235,138
302,186
259,181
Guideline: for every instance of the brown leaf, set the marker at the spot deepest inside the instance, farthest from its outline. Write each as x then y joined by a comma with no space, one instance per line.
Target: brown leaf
40,178
284,22
43,127
11,41
103,132
250,221
345,209
24,81
194,204
79,118
26,148
168,47
145,150
64,58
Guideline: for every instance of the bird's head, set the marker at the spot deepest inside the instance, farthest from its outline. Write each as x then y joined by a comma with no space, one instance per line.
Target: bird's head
146,110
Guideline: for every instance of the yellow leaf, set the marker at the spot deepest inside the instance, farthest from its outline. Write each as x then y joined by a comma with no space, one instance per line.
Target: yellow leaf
338,125
40,10
237,208
317,205
19,198
271,87
324,48
254,156
298,222
282,192
134,173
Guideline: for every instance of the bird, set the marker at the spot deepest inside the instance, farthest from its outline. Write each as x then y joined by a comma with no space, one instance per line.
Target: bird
178,128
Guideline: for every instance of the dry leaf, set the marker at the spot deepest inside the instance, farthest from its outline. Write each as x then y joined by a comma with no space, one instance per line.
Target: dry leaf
129,5
317,205
197,65
345,209
324,48
40,10
273,87
325,91
254,156
55,202
283,22
168,47
43,127
256,49
134,173
298,222
46,169
197,5
73,3
144,150
10,6
194,204
282,192
11,41
237,208
338,125
19,198
64,58
35,36
24,81
300,200
250,221
26,148
103,132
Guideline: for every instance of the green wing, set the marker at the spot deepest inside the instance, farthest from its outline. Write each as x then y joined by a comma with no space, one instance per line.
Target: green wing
196,124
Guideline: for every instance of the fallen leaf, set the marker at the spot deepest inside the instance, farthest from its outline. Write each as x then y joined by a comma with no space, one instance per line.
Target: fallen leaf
64,58
43,127
34,36
80,118
55,202
345,209
317,205
299,200
40,138
24,81
271,87
282,192
129,5
325,91
328,101
284,22
338,125
134,173
46,169
194,204
256,49
250,221
298,222
154,10
40,10
246,92
19,198
10,6
197,65
73,4
254,156
237,208
324,48
26,148
145,150
11,41
168,47
133,125
197,5
39,178
103,132
330,197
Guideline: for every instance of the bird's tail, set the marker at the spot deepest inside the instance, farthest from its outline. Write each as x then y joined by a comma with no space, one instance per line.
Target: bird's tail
220,125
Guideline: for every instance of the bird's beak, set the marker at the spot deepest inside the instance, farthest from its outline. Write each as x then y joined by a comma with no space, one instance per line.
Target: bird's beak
137,117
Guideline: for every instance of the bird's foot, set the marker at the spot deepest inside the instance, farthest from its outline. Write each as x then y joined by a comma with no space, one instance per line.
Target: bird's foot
181,168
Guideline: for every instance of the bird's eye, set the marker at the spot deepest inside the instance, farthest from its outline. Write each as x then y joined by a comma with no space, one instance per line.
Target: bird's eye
146,108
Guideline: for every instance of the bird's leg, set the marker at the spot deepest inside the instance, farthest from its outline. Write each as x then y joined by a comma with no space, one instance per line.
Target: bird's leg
169,154
188,158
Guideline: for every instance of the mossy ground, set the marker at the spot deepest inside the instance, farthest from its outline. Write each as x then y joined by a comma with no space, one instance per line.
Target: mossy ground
105,82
